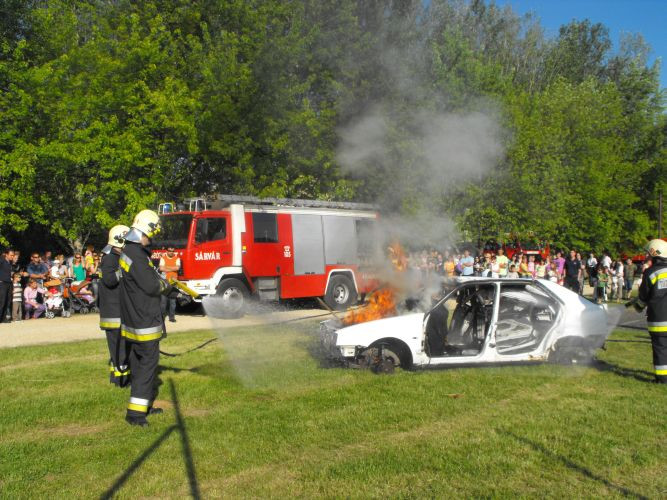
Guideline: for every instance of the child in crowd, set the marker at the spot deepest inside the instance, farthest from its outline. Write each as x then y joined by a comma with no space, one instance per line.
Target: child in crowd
495,267
603,279
531,266
86,295
54,299
552,272
17,298
512,272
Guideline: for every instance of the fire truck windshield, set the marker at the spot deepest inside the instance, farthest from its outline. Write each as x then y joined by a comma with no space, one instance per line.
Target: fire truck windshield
175,231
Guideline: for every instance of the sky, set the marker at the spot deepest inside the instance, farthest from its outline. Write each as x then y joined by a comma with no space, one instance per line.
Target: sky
648,17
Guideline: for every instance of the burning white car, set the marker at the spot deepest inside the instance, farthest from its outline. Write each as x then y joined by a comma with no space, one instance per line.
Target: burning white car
478,321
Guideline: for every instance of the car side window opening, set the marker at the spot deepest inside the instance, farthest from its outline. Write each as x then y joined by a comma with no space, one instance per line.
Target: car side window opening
265,227
526,314
459,325
210,229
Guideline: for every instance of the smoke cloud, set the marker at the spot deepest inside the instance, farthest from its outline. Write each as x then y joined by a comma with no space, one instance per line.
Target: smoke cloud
442,148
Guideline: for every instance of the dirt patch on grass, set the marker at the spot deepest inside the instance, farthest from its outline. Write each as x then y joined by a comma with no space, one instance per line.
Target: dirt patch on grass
274,477
46,362
188,412
164,404
197,412
66,430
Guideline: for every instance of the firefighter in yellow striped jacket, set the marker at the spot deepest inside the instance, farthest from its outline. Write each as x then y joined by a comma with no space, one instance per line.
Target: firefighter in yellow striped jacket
653,295
109,303
141,317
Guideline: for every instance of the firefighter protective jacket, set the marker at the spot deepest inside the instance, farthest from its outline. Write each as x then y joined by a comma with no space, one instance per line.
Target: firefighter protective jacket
653,293
140,287
109,291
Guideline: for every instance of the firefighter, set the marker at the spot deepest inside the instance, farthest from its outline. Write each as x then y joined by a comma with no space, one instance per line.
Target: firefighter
109,303
653,295
141,317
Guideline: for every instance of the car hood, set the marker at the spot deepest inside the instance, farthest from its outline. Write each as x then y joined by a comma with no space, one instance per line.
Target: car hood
407,328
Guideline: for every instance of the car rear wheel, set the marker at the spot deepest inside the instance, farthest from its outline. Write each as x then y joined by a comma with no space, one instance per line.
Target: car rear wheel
569,350
233,297
341,293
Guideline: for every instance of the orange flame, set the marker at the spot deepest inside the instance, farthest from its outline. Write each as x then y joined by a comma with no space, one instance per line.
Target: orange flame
381,304
397,256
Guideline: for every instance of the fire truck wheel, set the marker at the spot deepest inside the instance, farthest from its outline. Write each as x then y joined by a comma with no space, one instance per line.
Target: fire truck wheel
234,295
341,293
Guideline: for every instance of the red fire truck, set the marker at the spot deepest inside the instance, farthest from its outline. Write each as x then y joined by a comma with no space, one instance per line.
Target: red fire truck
526,246
272,249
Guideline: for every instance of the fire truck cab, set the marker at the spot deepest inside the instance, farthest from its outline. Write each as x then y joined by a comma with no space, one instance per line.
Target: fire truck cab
272,249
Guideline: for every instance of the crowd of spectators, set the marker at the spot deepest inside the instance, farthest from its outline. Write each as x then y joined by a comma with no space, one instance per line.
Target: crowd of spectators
28,287
610,279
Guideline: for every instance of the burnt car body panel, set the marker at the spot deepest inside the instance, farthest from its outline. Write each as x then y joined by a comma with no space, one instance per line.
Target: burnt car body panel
480,321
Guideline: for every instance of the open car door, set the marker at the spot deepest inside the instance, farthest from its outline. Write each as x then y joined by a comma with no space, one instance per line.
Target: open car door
460,328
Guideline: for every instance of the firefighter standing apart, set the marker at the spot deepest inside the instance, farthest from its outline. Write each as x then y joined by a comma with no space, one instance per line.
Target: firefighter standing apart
170,263
141,317
653,295
109,303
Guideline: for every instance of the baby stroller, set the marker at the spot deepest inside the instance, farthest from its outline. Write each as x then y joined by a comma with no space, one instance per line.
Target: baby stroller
55,301
80,298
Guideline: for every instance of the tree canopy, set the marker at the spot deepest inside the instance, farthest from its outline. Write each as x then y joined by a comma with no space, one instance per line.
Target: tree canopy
462,110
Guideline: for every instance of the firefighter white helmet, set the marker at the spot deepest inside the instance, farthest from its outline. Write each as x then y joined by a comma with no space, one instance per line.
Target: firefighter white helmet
117,235
657,248
146,222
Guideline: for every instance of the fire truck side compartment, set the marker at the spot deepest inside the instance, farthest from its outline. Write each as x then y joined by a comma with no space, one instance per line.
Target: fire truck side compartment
308,244
340,240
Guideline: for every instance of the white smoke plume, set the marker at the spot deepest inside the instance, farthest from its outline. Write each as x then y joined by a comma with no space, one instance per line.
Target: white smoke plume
442,148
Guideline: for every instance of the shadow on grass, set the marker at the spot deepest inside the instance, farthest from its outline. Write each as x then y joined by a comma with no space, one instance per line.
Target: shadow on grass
185,444
571,465
606,366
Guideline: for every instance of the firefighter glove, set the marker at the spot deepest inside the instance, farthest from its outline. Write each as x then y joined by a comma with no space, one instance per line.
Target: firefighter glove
165,287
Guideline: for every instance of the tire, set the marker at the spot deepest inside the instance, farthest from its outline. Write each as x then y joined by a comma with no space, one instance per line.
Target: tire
94,309
233,297
569,351
50,314
341,293
84,310
385,355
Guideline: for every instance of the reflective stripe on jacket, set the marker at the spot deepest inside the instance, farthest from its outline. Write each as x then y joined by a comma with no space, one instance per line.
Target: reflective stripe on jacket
653,293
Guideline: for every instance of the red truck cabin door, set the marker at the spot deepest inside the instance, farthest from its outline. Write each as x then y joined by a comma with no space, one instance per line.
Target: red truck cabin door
265,242
211,245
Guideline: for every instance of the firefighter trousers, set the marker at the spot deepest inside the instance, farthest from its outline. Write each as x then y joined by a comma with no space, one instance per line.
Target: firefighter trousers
119,369
144,359
659,342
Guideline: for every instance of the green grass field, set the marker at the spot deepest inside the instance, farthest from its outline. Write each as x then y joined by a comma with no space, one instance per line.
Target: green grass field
257,415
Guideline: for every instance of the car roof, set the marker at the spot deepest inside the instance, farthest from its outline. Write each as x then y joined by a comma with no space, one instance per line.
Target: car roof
481,279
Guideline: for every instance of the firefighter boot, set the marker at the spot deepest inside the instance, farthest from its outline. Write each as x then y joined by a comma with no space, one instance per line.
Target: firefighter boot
659,341
139,420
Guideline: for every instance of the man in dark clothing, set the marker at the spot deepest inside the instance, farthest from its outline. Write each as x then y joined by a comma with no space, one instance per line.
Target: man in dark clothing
572,271
142,323
653,295
5,283
109,303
